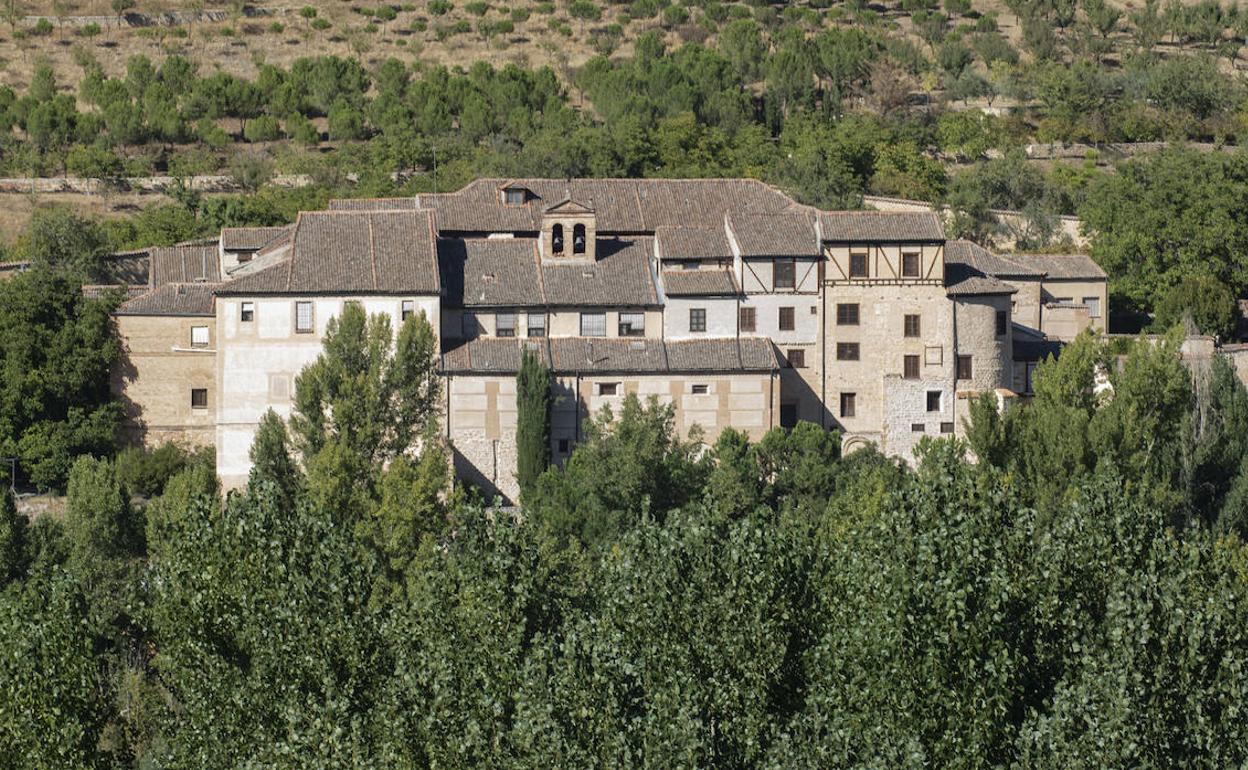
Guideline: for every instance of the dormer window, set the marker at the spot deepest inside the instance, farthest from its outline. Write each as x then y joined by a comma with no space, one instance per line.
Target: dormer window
515,196
578,239
556,239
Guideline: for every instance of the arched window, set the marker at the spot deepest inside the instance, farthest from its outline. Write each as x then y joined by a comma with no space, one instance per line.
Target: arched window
578,239
556,239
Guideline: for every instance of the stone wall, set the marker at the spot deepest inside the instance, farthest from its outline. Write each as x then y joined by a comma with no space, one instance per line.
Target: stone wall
155,376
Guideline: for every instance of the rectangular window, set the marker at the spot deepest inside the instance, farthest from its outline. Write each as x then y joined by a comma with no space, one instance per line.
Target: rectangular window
788,415
563,446
407,309
847,314
514,196
632,324
910,265
946,427
247,312
797,358
788,321
199,398
303,317
964,368
1094,306
593,324
784,275
933,400
537,324
848,404
690,264
699,389
505,324
858,265
199,336
912,326
697,319
910,367
749,319
608,388
918,427
1003,323
847,351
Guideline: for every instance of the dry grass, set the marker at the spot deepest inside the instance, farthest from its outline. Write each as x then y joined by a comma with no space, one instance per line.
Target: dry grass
16,208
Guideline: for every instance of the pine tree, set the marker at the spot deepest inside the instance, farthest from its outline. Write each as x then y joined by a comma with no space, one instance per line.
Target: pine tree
532,421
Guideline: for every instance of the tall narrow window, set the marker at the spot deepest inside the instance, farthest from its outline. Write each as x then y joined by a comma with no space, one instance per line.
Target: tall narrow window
697,319
910,265
910,367
303,317
632,324
593,324
964,368
848,404
1094,306
247,312
505,324
199,336
858,265
407,309
933,400
578,239
847,314
787,319
749,319
784,275
556,239
1003,323
199,398
537,324
911,326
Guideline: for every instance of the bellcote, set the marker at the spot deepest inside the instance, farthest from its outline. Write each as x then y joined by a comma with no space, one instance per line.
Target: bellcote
568,232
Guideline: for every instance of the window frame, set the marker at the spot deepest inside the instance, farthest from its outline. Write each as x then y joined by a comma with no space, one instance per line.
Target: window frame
911,367
1091,302
906,257
697,320
638,330
1003,322
194,393
699,389
849,404
750,312
791,313
796,357
848,351
607,388
509,191
530,327
918,427
939,397
965,366
843,314
946,427
508,331
588,315
790,272
311,327
246,312
206,340
912,326
407,309
865,272
580,230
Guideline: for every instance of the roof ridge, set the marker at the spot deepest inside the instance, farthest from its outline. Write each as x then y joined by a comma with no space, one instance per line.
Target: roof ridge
372,249
294,253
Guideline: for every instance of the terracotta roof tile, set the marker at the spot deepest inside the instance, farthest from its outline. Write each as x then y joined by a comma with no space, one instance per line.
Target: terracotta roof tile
185,263
373,204
699,283
250,238
613,355
775,235
675,242
173,299
976,256
619,277
490,272
1068,266
880,226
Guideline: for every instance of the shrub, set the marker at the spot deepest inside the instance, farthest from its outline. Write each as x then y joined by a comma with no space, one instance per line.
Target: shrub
42,27
477,7
144,472
277,28
440,7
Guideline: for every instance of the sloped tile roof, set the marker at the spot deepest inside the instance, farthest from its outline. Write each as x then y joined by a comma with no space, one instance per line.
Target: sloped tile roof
353,252
775,235
250,238
979,258
601,355
185,263
373,204
172,299
1062,266
490,272
880,226
699,283
677,242
619,277
129,291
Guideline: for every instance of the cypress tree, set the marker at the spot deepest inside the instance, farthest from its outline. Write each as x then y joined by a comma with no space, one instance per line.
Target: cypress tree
532,421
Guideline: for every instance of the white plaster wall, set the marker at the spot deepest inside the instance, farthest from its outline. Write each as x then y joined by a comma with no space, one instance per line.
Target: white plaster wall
721,317
805,322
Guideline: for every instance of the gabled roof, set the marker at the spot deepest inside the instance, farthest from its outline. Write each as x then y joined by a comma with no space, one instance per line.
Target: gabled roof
569,206
700,283
493,355
1063,266
880,227
775,235
620,276
172,299
490,272
353,252
966,273
681,242
185,263
979,258
250,238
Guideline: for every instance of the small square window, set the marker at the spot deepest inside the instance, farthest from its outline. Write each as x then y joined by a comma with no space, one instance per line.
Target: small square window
247,312
847,314
749,319
946,427
407,309
910,367
784,276
910,265
912,326
847,351
787,320
699,389
965,371
199,398
797,358
632,324
505,324
933,400
814,310
697,319
918,427
1003,322
537,324
199,336
848,404
303,317
608,388
858,265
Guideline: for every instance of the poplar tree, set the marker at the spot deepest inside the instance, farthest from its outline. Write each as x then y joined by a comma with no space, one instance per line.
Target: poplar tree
532,421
